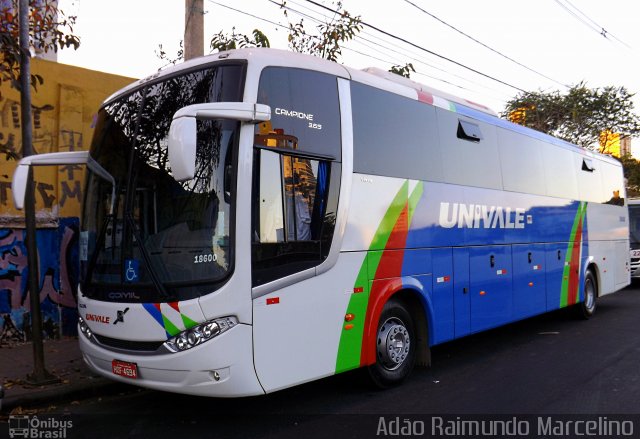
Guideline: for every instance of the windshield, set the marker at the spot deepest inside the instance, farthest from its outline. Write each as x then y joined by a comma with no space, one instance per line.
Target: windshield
160,240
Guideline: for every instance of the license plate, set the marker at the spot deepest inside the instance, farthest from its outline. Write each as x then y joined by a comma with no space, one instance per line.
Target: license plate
125,369
635,253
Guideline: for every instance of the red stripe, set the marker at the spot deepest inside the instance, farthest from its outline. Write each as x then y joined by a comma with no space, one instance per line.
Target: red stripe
381,290
574,266
425,97
390,266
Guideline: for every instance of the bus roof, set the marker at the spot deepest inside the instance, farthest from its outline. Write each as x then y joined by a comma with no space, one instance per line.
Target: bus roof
263,57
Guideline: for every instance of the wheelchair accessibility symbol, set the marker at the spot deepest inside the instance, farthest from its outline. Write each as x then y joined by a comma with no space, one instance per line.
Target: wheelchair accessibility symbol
131,270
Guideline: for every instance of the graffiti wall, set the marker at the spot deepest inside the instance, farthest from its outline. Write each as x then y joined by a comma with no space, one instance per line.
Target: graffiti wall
63,110
58,262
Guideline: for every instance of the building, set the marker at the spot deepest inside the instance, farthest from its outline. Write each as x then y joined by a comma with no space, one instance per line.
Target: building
63,110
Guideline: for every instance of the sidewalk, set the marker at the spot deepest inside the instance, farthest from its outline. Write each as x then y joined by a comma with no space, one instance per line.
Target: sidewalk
62,359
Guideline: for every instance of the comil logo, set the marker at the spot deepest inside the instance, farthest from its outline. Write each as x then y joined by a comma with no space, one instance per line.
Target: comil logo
38,427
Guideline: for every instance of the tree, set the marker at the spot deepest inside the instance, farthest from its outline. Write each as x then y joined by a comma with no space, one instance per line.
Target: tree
222,41
327,42
631,169
580,116
404,71
50,30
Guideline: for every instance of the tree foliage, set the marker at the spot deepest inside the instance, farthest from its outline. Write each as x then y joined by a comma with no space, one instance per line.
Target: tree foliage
580,116
404,71
164,56
327,39
49,30
222,41
631,169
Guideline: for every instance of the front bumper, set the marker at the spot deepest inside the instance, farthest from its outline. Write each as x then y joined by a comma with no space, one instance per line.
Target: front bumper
228,357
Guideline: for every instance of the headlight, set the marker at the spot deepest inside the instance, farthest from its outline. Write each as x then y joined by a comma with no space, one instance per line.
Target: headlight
199,334
84,328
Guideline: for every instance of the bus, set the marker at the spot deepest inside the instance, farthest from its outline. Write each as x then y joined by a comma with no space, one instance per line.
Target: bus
257,219
634,236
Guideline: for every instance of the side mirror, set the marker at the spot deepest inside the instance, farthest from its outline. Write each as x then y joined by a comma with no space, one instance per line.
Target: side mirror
183,132
21,174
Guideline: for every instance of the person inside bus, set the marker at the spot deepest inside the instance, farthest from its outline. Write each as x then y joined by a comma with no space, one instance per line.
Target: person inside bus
298,212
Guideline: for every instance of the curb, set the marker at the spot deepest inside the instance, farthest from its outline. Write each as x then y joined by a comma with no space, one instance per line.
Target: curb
88,387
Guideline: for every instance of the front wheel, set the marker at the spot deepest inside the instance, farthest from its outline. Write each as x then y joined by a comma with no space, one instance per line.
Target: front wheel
587,308
396,346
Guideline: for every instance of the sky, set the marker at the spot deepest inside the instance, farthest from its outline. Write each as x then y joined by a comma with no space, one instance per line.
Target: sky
523,45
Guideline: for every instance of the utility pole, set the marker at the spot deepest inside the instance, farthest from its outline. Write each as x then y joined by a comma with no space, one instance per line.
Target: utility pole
39,376
193,29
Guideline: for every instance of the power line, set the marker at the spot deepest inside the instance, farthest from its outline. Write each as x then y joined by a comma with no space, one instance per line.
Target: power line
368,55
484,45
431,52
249,14
586,20
359,38
411,57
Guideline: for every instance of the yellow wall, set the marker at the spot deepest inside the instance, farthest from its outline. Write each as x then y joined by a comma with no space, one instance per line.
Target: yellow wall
63,112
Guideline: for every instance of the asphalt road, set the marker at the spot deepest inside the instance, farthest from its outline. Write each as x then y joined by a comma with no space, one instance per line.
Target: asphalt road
553,364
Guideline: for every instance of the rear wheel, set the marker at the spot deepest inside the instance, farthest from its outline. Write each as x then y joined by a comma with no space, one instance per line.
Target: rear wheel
396,346
587,308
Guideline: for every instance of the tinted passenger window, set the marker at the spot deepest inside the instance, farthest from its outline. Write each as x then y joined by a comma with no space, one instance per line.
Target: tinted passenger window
613,184
393,135
294,212
304,107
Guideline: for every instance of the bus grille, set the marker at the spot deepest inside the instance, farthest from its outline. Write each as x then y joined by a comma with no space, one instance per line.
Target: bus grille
129,345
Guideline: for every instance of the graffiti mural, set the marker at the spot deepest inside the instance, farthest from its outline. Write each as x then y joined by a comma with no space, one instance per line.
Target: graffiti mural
58,266
62,110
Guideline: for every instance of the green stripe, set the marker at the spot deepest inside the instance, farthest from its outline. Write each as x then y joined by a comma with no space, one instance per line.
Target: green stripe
414,199
350,347
170,327
564,295
188,323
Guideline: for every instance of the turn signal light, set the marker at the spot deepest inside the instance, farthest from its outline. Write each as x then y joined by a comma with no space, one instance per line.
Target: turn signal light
349,317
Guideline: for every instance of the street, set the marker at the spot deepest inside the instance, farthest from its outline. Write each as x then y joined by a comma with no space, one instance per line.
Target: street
548,365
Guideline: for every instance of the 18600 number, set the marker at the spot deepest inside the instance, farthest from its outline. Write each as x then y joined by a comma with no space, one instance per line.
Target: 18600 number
199,259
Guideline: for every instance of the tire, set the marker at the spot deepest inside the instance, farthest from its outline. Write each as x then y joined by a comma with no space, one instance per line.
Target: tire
587,307
396,346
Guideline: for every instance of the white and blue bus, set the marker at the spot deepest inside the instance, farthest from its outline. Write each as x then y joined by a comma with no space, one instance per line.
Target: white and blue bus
257,219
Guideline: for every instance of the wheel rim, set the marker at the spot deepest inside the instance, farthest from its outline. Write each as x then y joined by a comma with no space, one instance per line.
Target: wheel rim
394,343
589,295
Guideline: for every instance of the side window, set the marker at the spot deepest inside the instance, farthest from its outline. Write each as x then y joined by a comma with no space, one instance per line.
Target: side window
294,212
296,173
305,114
394,136
291,195
612,184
